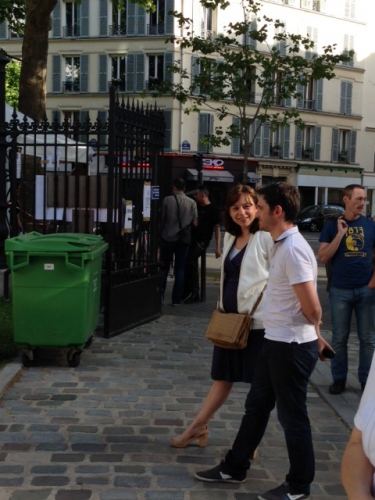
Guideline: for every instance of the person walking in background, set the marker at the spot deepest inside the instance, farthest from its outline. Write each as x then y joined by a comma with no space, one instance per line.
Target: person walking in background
244,273
208,222
291,317
178,211
358,462
347,244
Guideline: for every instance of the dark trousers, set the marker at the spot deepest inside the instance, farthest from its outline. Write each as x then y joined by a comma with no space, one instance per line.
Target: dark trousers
281,377
196,250
168,249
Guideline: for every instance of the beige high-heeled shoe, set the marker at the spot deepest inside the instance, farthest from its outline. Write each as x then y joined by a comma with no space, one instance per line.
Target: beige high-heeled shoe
201,437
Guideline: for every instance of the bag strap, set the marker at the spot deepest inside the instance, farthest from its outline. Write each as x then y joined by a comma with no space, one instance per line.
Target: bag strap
258,301
178,211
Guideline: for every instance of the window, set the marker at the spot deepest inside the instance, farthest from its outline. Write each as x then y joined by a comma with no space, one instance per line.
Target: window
276,142
156,26
307,143
207,29
118,27
72,117
349,9
155,70
76,73
270,143
310,95
118,72
317,5
312,34
346,93
72,67
250,80
72,21
343,145
205,128
348,45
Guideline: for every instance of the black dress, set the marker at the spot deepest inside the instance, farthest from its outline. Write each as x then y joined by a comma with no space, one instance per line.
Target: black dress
235,365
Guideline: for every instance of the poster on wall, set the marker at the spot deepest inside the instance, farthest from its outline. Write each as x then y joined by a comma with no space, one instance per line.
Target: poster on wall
146,201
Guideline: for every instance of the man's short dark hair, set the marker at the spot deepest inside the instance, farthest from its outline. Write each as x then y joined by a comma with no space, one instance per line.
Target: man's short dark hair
179,184
348,190
203,190
283,194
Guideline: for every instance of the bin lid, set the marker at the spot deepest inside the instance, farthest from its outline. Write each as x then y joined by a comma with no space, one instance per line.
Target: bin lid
56,242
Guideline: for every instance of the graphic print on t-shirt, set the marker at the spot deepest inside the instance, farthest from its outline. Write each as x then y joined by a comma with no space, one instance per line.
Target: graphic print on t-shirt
355,241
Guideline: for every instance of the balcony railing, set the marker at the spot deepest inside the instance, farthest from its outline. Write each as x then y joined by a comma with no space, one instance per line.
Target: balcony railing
119,84
276,151
71,31
117,30
152,83
208,34
71,85
155,29
308,154
309,104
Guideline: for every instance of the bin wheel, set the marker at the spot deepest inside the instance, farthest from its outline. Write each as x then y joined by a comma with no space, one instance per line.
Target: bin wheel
73,358
26,361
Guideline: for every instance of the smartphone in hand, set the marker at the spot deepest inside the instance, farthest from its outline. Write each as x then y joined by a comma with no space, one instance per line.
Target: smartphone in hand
328,353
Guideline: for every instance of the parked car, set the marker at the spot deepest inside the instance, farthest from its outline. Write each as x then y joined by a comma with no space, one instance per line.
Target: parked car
313,217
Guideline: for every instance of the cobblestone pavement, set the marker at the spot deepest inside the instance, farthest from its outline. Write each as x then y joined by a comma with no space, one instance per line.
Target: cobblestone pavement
101,431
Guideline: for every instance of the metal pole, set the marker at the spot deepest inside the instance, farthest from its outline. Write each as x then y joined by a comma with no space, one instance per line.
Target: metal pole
4,231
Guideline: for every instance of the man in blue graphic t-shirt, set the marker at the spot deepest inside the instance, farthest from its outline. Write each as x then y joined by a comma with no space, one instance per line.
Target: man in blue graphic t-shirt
348,245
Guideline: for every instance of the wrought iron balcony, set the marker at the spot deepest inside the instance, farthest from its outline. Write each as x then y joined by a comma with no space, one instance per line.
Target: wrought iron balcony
71,31
309,104
117,30
152,83
155,29
71,85
119,84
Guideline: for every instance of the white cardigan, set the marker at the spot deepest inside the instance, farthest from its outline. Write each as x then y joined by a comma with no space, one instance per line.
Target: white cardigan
253,274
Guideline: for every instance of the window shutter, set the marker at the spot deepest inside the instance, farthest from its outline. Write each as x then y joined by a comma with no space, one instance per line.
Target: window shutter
130,73
56,73
103,79
350,8
102,116
286,141
343,97
236,141
141,21
197,18
266,140
309,53
140,70
317,143
202,131
298,144
349,97
56,20
249,41
195,70
348,45
319,95
257,139
103,13
281,46
210,130
84,73
83,116
3,30
84,18
335,145
353,141
168,130
130,18
168,63
322,6
300,89
169,20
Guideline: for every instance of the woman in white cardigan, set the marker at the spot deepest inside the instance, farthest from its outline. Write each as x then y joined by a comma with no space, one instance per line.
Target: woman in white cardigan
244,273
358,463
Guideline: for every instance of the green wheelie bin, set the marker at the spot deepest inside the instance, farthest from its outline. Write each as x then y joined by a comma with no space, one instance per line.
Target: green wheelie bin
56,282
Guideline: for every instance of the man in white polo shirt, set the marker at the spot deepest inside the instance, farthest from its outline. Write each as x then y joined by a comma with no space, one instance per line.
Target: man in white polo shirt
292,315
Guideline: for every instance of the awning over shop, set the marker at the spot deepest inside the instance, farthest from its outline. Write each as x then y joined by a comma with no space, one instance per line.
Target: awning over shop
253,177
328,176
210,175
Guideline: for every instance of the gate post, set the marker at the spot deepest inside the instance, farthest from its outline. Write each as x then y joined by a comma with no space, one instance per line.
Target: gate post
4,59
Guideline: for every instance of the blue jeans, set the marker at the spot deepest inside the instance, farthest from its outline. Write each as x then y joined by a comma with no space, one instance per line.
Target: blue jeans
167,250
343,301
281,377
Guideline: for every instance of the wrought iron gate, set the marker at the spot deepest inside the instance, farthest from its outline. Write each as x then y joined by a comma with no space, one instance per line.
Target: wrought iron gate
107,183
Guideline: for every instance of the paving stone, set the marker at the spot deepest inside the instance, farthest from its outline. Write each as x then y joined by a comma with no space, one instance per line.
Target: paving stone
48,469
132,482
94,480
73,495
91,469
165,495
106,457
67,457
50,481
118,495
30,495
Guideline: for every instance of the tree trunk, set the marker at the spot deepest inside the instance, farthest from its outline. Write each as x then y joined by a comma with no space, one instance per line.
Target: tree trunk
32,95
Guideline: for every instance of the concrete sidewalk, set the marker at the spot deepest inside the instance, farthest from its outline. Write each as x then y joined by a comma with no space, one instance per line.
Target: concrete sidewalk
101,431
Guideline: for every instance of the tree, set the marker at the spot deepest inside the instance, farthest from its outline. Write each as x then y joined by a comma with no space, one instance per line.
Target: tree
234,77
12,82
32,18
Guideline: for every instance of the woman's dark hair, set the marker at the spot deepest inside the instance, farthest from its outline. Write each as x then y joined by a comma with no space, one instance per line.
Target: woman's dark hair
232,197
